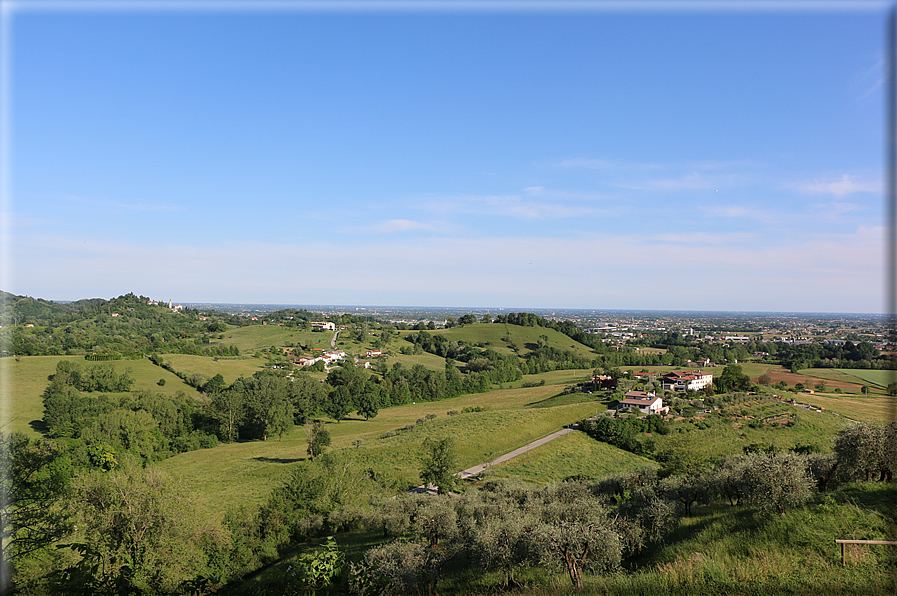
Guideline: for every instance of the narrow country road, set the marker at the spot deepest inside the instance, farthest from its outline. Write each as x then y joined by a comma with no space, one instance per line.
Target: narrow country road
477,470
333,341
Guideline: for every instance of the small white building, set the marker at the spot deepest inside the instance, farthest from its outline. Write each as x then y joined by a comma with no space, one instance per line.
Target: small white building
678,380
646,402
328,325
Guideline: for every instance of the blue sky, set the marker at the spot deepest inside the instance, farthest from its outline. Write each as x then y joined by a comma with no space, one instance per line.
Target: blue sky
708,159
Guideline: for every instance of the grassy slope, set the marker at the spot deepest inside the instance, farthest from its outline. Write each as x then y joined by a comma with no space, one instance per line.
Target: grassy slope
491,334
209,367
855,407
739,551
28,378
246,472
572,454
877,377
813,428
254,337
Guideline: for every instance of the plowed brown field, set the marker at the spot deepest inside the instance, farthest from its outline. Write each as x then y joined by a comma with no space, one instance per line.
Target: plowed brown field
780,374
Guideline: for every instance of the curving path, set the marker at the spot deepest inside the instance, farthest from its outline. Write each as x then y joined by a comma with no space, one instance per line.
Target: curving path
477,470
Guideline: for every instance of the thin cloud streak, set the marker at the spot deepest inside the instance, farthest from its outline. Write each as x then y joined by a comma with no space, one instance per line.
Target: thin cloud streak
451,270
846,185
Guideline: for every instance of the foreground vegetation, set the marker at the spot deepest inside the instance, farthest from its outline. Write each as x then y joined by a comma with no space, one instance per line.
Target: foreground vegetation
244,474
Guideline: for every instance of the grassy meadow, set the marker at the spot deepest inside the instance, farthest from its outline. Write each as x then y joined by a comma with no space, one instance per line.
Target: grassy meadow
882,378
27,378
490,336
571,455
244,473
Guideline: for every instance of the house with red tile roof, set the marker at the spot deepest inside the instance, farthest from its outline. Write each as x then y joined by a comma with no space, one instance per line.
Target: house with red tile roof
679,380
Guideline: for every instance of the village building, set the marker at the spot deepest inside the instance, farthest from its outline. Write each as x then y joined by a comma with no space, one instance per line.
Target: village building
693,380
646,403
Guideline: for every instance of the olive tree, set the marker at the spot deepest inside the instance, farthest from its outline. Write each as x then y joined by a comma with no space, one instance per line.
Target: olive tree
577,533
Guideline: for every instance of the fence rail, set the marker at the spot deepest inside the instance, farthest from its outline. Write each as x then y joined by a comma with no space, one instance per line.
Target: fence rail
844,544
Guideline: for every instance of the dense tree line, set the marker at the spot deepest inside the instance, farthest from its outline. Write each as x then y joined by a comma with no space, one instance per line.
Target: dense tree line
124,324
149,425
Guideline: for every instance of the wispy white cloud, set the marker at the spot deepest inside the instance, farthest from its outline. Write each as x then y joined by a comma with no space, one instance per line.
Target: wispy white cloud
101,203
873,78
514,206
693,181
705,238
845,185
605,164
400,225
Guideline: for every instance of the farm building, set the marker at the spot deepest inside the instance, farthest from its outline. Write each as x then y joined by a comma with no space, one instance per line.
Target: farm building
678,380
647,403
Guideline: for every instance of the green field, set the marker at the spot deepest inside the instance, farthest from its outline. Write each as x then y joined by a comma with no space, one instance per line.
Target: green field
812,428
882,378
208,367
246,472
27,379
254,337
855,407
571,455
490,336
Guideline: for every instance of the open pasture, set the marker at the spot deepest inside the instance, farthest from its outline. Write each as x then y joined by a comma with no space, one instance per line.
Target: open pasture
254,337
812,428
855,407
525,338
208,367
571,455
246,472
26,380
428,361
881,378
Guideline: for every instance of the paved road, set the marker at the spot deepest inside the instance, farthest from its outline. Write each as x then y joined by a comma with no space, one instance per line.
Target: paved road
477,470
333,341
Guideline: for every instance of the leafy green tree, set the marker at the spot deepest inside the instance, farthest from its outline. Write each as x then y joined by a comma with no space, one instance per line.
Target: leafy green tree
214,385
319,568
318,438
438,464
368,403
138,533
732,379
777,482
268,403
34,478
499,533
339,403
229,408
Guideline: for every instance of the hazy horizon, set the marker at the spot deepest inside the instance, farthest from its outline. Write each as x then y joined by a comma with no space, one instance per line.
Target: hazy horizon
720,159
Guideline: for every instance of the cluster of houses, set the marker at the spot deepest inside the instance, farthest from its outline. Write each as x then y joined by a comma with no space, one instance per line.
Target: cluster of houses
328,357
647,402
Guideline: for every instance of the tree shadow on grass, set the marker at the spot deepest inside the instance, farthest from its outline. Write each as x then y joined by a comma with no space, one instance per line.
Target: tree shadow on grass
279,460
39,426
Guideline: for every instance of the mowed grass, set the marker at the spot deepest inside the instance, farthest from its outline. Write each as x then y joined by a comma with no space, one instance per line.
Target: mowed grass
882,378
25,381
245,473
254,337
208,367
570,455
832,374
855,407
428,361
491,334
